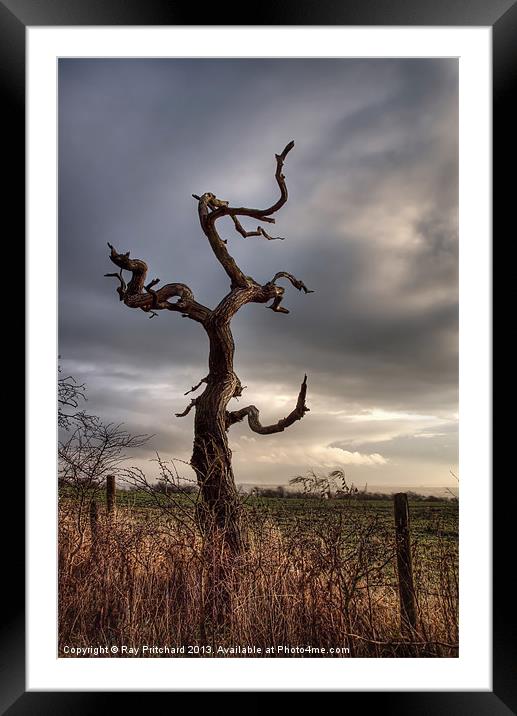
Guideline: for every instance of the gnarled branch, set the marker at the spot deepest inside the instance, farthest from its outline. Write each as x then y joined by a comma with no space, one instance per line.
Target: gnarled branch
136,294
295,281
237,277
278,298
137,268
260,213
259,232
210,208
149,289
121,290
253,415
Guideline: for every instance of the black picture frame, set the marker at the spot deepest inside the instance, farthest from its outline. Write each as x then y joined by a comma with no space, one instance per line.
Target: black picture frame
15,16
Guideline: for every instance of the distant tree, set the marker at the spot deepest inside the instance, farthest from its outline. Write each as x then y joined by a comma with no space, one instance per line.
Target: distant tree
88,451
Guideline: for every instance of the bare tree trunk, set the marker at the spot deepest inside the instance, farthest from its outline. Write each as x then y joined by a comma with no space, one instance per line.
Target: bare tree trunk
212,457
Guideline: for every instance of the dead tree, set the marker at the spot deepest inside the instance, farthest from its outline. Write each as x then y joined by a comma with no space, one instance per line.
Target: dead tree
211,458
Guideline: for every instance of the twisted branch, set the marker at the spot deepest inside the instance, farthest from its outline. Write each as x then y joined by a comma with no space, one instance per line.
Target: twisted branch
121,290
259,232
278,295
136,294
260,213
253,415
295,281
210,208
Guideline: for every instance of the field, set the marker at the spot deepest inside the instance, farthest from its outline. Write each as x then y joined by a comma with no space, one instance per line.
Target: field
319,578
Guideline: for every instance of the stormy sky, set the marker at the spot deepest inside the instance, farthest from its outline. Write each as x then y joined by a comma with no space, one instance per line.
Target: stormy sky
371,225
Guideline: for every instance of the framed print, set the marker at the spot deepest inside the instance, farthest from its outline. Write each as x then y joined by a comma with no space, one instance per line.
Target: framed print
304,529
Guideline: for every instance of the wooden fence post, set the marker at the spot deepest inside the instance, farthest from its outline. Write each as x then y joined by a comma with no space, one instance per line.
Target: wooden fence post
110,493
408,605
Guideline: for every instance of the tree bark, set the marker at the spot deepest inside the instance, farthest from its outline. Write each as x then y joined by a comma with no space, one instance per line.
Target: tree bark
219,511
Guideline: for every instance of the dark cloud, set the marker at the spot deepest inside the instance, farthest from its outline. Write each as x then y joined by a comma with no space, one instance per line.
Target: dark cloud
371,226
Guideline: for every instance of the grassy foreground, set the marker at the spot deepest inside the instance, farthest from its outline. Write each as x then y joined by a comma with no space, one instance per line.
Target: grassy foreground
319,579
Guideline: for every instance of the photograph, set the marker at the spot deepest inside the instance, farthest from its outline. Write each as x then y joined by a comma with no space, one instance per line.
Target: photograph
233,483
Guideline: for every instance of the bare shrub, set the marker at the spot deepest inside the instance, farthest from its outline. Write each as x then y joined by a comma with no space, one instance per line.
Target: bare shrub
88,451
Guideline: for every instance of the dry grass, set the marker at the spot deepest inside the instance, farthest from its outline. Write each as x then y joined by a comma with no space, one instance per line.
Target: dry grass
136,580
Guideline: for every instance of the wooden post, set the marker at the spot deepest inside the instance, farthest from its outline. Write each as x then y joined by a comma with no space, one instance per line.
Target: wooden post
408,605
110,493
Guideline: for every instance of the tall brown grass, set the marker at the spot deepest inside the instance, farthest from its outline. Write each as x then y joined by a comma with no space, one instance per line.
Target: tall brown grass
144,578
